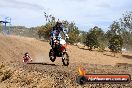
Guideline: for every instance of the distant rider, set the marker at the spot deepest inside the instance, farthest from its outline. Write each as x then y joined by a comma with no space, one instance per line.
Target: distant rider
55,33
26,57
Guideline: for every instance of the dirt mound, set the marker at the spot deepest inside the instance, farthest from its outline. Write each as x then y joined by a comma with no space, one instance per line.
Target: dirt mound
42,73
14,47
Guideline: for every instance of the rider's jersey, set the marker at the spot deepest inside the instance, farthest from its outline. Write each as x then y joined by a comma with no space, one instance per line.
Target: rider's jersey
27,57
55,32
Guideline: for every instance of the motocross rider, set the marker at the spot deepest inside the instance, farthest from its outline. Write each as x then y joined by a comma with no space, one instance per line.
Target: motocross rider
55,33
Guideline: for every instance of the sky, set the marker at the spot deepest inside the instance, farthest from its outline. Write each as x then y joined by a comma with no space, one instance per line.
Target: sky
85,13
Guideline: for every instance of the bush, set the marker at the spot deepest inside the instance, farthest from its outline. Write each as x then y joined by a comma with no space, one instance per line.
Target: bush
91,41
94,37
101,47
73,36
116,43
44,31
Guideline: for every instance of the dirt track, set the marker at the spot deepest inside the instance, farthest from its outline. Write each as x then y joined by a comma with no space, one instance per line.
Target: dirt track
51,74
13,48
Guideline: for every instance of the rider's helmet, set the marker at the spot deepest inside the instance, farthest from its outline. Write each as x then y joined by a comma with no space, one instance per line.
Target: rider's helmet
58,23
58,27
26,54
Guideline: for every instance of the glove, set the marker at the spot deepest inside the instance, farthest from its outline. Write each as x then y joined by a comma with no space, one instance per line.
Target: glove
67,37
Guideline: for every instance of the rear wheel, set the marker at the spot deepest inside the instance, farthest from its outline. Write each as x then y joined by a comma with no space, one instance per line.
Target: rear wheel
65,59
52,55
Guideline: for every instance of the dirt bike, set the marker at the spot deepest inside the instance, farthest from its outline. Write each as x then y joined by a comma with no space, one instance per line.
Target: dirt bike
59,50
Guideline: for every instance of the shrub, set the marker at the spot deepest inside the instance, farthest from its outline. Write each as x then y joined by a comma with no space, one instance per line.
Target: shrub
101,47
94,37
116,43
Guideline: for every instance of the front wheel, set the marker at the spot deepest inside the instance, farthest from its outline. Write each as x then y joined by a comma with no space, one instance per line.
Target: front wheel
65,59
52,55
81,80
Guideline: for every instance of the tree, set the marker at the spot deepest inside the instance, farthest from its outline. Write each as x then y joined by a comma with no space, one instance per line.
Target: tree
114,36
73,32
115,29
126,21
116,43
126,25
44,31
82,36
91,41
73,36
94,37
